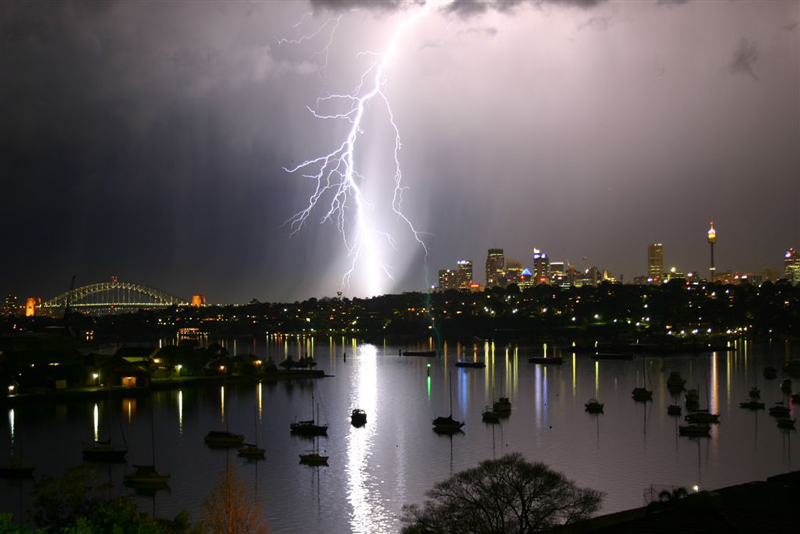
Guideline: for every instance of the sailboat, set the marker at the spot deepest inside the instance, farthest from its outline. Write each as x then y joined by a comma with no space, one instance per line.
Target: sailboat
251,451
104,450
704,416
314,457
310,428
223,438
642,393
448,425
146,476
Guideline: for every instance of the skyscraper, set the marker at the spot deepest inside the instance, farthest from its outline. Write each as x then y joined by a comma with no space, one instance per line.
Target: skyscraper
655,261
447,279
513,272
541,267
464,275
791,266
495,268
712,238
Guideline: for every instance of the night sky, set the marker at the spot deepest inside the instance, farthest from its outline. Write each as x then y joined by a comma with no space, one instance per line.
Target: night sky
148,140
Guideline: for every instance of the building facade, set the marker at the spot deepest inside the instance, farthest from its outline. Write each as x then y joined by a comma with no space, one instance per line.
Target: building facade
541,267
655,262
495,268
791,266
464,274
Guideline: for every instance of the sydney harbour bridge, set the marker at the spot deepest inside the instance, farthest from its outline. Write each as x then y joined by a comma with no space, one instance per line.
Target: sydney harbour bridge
114,295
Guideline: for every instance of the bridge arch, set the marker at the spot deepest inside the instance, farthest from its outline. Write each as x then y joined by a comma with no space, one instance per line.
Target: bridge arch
114,293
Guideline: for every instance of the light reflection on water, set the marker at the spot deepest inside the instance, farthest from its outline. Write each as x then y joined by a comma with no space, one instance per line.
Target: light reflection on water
396,457
363,492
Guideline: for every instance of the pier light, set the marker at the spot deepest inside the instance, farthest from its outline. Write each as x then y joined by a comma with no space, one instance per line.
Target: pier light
696,488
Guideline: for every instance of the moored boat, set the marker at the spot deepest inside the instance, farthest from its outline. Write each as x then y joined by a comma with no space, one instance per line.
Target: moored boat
104,451
642,394
779,410
752,404
426,353
786,385
313,458
593,406
448,425
223,438
786,423
755,393
145,475
702,417
674,409
489,416
358,417
675,382
476,365
502,406
251,451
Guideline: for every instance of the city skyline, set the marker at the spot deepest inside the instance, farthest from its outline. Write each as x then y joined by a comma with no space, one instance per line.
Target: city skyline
584,129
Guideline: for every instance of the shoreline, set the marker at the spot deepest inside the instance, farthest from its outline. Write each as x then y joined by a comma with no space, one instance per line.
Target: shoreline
158,385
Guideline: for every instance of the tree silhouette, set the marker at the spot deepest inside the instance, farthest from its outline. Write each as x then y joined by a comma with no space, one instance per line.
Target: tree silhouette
507,495
228,509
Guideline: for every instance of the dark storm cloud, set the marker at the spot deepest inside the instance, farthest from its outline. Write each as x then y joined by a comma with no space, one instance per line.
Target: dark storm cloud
462,7
744,58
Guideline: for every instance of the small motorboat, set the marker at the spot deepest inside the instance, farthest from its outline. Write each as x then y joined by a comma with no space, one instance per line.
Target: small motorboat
358,417
786,423
642,394
770,373
541,360
674,409
702,417
502,407
593,406
752,404
779,410
223,438
755,393
675,382
692,397
699,430
475,365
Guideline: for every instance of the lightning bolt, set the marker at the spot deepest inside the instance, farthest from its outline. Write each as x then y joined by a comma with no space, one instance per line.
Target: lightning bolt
335,174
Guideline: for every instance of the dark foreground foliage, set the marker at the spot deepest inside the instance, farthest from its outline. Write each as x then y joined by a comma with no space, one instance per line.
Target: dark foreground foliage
508,495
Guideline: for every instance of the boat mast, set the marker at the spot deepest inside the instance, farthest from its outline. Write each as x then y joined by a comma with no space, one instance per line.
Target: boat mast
153,434
450,380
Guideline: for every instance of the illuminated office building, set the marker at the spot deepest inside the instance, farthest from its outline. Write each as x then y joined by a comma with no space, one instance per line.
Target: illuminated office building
447,279
791,266
541,267
464,274
495,268
655,262
513,272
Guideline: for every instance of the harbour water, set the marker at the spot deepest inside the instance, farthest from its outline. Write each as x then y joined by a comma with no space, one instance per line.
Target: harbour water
396,457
